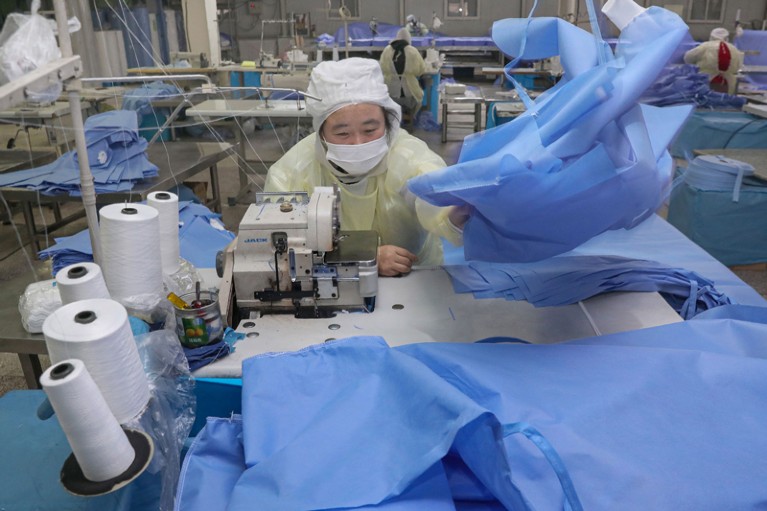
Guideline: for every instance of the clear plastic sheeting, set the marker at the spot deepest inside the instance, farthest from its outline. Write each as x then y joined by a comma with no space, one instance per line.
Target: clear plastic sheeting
653,418
585,157
27,42
566,280
170,414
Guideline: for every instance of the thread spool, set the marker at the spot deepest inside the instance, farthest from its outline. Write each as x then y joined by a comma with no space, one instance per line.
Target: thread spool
97,332
166,204
81,281
104,456
130,250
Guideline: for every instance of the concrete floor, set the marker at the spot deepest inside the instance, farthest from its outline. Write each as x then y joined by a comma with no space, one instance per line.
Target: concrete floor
16,258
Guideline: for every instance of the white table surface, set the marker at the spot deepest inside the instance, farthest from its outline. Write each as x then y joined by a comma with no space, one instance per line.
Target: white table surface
249,108
755,109
432,312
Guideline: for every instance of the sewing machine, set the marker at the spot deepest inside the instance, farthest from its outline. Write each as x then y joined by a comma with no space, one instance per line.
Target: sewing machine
269,60
290,256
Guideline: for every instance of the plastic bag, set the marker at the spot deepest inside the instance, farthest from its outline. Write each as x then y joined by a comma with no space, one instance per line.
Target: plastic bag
26,43
39,300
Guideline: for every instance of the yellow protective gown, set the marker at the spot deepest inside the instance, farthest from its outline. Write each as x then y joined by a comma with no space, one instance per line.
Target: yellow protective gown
706,57
386,206
414,67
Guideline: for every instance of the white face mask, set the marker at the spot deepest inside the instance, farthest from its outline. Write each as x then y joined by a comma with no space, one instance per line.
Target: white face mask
358,160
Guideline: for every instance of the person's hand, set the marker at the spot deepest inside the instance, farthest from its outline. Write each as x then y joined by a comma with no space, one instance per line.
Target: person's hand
459,215
393,261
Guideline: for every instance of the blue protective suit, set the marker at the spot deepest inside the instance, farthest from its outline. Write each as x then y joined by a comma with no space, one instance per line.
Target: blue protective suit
583,159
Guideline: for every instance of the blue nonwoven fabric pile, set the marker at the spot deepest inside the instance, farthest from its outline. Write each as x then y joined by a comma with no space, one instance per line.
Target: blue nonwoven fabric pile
566,280
585,158
686,84
663,418
201,236
116,153
140,99
721,174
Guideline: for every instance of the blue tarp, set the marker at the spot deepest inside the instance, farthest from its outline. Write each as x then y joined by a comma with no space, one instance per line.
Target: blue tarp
720,130
664,418
583,159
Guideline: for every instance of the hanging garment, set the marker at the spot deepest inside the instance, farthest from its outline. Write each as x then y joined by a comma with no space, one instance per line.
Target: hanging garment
585,158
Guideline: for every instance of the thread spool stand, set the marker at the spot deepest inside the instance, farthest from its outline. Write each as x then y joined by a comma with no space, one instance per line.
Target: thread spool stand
72,476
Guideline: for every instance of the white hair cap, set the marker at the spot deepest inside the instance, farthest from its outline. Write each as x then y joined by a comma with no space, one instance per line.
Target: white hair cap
349,82
403,34
719,34
410,17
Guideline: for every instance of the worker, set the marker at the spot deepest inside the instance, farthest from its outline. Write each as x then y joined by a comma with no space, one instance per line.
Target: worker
359,147
415,27
719,59
402,65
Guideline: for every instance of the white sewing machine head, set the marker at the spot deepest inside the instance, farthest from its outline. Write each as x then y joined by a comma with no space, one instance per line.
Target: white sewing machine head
292,257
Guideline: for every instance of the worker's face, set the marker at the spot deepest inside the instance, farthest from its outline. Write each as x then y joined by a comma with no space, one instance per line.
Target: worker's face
355,124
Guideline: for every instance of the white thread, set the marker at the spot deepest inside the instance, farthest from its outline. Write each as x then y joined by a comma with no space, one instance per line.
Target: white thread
98,442
81,281
166,204
97,332
130,250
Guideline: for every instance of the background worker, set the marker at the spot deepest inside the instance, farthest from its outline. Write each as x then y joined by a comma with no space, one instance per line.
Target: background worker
359,146
719,59
402,65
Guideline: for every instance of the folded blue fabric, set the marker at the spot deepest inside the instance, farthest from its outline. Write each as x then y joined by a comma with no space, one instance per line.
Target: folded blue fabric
570,279
116,154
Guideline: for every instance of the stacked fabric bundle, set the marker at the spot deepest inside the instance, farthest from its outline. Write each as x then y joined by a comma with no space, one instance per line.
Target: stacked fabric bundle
569,279
720,174
686,84
115,152
201,236
140,99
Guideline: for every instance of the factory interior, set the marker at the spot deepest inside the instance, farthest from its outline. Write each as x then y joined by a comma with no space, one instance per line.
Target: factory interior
552,293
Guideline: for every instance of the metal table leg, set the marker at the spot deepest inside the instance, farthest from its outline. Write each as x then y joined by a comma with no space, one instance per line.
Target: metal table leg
215,189
30,366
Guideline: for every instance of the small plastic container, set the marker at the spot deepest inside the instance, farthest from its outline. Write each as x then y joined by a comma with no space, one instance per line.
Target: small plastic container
200,326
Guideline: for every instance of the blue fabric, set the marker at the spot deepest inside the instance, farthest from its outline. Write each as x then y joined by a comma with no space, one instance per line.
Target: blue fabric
733,232
570,279
201,237
204,355
720,130
117,158
686,84
662,418
583,159
140,99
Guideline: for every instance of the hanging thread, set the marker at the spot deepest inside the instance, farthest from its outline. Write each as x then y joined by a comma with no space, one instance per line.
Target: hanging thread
97,332
98,442
130,247
166,204
81,281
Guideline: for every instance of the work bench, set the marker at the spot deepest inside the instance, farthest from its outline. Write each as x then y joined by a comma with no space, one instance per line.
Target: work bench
176,162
